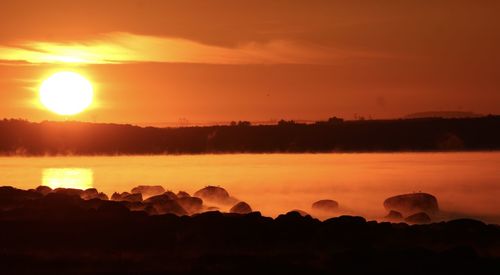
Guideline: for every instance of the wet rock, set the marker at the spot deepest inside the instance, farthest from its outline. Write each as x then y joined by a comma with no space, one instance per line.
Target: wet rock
409,204
148,190
325,206
44,190
241,208
215,194
394,216
191,204
418,218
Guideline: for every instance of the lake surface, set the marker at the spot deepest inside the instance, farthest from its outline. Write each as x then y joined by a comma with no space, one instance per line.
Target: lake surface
466,184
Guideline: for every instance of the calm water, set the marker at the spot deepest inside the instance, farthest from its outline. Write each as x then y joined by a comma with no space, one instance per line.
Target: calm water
466,184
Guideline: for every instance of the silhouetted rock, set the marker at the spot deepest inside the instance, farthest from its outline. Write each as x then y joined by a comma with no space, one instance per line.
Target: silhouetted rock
190,204
12,197
215,194
409,204
169,207
418,218
64,234
148,190
212,208
241,208
300,212
102,196
69,191
183,194
44,190
394,216
325,206
90,193
160,198
170,194
125,196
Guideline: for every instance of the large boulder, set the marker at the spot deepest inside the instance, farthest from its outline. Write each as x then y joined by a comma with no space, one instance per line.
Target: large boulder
418,218
215,194
89,194
148,190
325,206
409,204
44,190
160,198
164,204
241,208
191,204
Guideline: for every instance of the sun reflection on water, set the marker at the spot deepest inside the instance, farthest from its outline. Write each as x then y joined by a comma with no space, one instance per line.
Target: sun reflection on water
78,178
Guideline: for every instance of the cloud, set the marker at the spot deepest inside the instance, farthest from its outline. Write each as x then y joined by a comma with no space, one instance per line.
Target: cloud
127,48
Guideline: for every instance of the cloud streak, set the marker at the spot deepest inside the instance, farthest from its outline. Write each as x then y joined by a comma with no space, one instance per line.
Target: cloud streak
129,48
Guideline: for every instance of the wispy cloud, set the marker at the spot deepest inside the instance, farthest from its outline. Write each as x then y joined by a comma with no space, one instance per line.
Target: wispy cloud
127,48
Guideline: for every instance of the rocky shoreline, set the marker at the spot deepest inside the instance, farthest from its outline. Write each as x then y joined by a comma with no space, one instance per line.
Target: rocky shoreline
59,232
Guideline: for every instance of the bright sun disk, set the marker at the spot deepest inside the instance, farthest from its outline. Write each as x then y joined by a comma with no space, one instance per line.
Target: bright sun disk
66,93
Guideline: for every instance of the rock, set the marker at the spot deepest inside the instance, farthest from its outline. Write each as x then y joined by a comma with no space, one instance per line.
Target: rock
148,190
241,208
325,205
394,216
69,191
300,212
214,194
116,196
164,204
169,207
191,204
171,195
159,198
44,190
90,193
212,208
418,218
102,196
11,197
125,196
409,204
182,194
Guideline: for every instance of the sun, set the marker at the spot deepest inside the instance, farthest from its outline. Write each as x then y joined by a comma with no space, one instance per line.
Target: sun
66,93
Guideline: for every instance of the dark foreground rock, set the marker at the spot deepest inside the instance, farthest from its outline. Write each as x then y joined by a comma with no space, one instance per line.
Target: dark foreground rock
64,234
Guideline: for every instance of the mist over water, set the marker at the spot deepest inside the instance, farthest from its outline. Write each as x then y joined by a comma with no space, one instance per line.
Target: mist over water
466,184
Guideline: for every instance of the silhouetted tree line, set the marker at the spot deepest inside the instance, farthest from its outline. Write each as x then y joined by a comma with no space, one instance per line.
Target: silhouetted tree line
335,134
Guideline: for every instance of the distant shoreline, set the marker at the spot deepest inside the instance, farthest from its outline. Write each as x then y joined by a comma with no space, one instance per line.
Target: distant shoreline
69,138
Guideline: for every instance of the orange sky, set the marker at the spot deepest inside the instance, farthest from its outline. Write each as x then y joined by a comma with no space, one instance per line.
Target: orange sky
205,61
